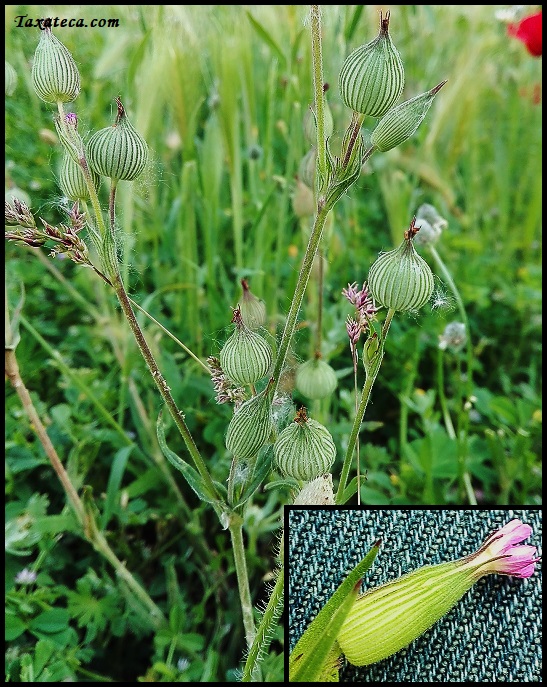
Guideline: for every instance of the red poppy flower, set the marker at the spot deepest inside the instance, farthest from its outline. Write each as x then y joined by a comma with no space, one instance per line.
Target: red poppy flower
528,30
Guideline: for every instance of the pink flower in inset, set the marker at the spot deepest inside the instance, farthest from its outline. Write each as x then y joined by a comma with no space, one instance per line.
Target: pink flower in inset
528,31
502,553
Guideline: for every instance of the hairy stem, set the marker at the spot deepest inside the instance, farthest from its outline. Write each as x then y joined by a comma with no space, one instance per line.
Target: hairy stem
236,533
365,397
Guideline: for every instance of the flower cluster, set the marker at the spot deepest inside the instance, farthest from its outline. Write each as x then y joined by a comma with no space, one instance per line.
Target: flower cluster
365,312
224,389
66,238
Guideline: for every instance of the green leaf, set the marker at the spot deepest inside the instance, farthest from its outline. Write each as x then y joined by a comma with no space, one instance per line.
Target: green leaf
266,37
14,627
191,475
114,483
50,622
312,656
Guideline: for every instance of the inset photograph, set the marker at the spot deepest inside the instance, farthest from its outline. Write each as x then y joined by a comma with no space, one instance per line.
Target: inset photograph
414,595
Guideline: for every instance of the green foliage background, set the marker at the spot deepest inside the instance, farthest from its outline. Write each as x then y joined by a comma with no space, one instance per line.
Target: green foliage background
220,93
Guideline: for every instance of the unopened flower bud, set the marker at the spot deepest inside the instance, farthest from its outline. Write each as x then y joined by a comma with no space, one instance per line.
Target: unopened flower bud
253,309
316,379
304,449
250,427
426,235
430,214
310,126
308,167
401,122
55,76
386,619
118,151
246,356
371,353
401,279
453,337
373,76
72,180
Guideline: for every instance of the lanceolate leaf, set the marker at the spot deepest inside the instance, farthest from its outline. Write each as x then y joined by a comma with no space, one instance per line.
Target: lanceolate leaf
191,475
312,657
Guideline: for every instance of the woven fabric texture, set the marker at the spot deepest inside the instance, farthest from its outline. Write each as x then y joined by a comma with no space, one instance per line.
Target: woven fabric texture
492,635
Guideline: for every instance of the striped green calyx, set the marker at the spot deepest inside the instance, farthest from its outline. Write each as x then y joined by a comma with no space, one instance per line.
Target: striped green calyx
373,76
246,356
401,122
55,76
386,619
250,427
118,151
72,180
315,379
401,280
304,449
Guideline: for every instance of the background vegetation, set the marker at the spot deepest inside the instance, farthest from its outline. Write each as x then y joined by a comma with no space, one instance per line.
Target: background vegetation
220,94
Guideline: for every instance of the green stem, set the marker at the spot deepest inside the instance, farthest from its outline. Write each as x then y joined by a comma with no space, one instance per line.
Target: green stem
236,533
161,383
465,403
319,95
442,396
303,277
365,397
265,629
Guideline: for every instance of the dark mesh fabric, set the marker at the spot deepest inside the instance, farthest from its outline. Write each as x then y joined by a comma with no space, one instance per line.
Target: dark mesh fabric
492,635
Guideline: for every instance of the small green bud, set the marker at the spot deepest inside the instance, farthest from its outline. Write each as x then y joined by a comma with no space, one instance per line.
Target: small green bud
118,151
400,279
246,357
304,449
310,126
373,76
72,180
55,76
371,353
253,309
316,379
11,78
401,122
250,427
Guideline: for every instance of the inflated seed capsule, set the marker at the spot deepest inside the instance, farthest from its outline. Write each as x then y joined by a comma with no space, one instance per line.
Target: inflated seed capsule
250,427
72,180
246,356
401,122
315,379
118,151
55,76
253,309
373,76
304,449
401,279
